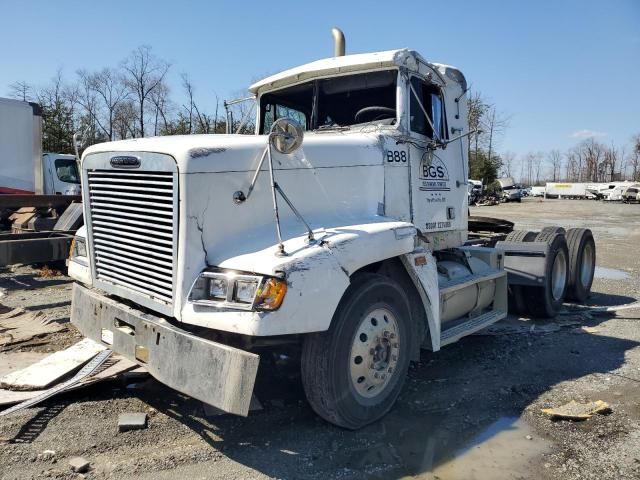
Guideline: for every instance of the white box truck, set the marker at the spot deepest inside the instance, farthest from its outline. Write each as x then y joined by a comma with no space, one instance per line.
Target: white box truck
24,169
340,227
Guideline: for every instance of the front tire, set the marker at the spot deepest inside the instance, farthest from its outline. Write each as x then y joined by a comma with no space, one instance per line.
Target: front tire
353,372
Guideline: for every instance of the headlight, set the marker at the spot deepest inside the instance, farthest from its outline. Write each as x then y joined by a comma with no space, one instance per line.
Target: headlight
228,289
78,247
246,290
218,288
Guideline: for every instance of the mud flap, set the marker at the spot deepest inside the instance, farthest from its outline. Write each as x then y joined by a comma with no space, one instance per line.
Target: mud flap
212,372
525,262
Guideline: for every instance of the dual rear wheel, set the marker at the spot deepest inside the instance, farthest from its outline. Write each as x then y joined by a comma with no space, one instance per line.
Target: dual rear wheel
569,271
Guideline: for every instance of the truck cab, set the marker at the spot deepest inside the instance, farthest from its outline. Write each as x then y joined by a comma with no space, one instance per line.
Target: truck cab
339,227
60,174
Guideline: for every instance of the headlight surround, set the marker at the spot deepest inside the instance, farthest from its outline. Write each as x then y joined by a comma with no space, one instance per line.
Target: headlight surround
238,290
78,248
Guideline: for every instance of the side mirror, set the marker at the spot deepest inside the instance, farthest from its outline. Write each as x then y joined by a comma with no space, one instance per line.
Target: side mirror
286,135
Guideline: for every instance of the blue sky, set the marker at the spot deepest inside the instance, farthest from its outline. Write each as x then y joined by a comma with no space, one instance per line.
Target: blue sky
559,69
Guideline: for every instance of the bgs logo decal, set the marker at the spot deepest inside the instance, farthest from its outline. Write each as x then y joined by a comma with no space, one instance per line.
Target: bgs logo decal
434,175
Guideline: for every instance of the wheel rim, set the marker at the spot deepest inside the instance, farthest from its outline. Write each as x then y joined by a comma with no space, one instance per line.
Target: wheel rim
374,352
559,275
586,269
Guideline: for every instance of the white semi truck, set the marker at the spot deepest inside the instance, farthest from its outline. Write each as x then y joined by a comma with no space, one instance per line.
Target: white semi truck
339,227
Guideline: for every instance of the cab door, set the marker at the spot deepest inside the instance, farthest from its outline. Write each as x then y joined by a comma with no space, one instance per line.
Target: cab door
438,176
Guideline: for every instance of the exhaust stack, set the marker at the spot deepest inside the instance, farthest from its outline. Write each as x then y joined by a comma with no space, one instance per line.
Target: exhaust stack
338,41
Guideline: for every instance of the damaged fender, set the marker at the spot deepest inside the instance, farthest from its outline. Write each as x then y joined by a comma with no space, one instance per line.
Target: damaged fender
317,274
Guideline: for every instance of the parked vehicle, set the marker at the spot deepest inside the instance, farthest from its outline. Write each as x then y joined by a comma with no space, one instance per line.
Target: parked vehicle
509,191
23,167
36,190
537,191
318,232
475,190
631,194
571,191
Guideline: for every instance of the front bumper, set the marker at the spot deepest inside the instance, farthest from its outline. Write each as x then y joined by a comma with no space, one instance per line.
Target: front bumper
214,373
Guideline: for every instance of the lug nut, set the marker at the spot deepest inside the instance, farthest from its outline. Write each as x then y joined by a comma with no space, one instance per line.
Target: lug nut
383,376
393,335
376,375
386,333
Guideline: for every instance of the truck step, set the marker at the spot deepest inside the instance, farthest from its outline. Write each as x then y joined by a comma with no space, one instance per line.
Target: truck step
459,283
470,326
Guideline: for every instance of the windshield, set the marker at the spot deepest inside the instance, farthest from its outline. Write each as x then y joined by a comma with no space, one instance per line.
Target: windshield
334,102
67,170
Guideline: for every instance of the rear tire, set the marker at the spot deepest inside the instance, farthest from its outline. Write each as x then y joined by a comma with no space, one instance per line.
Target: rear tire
582,263
546,301
520,236
547,232
353,372
517,293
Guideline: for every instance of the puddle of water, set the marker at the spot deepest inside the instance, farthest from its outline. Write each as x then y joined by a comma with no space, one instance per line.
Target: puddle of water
500,451
610,273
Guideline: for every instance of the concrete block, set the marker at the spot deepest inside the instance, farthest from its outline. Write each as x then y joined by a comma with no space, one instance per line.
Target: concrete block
79,464
132,421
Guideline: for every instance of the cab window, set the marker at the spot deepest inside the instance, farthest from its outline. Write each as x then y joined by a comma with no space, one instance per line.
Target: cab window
431,98
67,170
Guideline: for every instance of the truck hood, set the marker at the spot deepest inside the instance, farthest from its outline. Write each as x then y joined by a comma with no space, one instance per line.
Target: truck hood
237,153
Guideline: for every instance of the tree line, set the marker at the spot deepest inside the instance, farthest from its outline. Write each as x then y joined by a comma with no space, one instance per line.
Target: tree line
130,100
587,161
133,100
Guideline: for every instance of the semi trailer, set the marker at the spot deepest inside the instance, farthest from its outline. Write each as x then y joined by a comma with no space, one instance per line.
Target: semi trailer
338,230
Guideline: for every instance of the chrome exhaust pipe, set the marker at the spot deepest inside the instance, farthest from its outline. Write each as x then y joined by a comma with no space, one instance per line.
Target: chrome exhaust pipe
338,42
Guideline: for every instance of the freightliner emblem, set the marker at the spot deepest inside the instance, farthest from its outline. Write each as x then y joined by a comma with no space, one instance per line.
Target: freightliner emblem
124,161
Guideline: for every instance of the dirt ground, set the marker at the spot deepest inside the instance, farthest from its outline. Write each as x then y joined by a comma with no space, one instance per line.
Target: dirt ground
471,411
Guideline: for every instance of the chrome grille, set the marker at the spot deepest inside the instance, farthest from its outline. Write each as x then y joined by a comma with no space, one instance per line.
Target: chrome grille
132,224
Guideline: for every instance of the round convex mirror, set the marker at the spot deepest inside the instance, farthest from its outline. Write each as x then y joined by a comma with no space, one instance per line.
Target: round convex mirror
286,135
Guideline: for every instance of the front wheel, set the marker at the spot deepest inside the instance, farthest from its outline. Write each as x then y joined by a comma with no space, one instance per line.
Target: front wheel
353,372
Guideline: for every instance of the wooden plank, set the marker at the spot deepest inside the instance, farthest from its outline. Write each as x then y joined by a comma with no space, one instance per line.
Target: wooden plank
49,370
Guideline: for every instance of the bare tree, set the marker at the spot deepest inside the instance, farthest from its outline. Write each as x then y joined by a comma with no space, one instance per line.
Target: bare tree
495,125
634,158
21,90
508,164
159,99
144,74
555,160
124,120
111,91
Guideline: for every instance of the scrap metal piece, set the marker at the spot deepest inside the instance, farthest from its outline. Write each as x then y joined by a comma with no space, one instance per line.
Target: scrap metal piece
85,371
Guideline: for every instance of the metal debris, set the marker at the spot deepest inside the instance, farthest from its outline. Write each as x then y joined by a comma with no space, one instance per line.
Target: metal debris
88,369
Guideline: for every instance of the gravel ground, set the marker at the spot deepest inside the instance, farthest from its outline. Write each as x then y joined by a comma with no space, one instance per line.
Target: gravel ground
471,411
